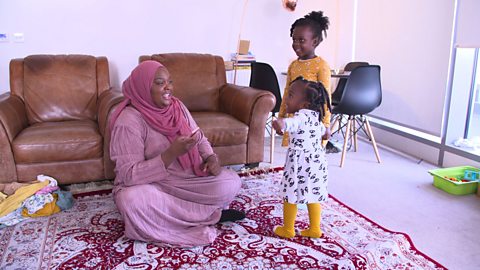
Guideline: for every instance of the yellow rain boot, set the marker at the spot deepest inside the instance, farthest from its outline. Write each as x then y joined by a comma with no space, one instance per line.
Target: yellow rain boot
289,215
314,214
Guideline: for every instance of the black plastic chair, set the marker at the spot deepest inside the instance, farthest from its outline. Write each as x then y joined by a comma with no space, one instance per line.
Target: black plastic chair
337,94
263,77
361,95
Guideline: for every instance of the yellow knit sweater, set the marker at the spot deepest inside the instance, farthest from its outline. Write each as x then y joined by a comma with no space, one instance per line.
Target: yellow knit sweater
315,69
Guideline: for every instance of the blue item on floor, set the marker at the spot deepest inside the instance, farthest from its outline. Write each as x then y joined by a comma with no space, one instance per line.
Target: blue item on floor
470,175
65,199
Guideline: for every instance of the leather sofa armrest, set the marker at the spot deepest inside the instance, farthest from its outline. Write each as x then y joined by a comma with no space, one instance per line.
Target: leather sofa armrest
252,107
106,102
244,103
13,119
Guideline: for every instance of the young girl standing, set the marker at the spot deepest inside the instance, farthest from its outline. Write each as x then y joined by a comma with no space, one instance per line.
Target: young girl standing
307,33
305,174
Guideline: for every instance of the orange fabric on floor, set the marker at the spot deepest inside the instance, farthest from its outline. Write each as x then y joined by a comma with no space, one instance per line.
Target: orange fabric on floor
48,210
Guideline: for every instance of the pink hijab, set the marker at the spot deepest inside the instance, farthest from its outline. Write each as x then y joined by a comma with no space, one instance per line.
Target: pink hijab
169,121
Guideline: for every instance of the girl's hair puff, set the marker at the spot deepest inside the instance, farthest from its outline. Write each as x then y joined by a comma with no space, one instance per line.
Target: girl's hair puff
316,95
317,22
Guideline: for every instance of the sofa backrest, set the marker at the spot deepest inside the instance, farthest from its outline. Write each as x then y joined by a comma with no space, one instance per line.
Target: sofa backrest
197,78
59,87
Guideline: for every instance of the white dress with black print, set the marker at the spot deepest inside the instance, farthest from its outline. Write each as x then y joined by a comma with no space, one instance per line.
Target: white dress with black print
305,175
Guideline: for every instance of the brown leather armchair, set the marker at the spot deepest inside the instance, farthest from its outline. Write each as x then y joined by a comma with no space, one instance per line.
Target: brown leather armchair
232,117
54,120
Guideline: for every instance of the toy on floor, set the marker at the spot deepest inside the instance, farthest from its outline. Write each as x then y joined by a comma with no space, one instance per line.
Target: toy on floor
471,175
453,179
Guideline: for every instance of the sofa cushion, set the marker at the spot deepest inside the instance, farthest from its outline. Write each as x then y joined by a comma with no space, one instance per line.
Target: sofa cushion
58,141
197,78
221,129
60,87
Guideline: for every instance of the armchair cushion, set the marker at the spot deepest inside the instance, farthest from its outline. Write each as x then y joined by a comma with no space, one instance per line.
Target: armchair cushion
72,78
197,78
58,141
226,131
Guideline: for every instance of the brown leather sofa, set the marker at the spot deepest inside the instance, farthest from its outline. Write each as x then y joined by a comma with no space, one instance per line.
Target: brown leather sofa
232,117
54,120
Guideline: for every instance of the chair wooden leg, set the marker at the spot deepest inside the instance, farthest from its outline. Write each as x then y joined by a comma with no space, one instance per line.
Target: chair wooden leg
272,141
345,142
335,123
355,147
369,128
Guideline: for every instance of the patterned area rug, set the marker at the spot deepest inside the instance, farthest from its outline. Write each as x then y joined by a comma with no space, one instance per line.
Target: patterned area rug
90,236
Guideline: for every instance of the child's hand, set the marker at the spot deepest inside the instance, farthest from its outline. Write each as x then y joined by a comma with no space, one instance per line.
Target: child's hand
327,134
278,126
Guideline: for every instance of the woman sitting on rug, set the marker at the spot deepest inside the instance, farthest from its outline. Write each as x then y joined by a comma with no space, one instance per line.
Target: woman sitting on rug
169,185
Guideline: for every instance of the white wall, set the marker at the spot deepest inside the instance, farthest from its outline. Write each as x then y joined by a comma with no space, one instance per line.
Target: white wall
411,41
468,32
124,30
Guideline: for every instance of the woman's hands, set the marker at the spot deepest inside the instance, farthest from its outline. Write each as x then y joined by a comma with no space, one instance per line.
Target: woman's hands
278,125
211,165
180,146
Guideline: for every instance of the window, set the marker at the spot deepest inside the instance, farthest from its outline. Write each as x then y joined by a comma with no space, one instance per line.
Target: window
463,129
472,130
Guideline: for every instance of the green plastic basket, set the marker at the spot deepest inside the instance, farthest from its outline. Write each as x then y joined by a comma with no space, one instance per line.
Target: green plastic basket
456,188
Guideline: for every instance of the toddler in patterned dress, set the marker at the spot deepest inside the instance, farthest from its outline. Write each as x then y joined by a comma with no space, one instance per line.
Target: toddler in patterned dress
305,175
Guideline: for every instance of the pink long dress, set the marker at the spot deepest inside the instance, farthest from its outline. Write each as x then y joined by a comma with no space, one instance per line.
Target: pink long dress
165,205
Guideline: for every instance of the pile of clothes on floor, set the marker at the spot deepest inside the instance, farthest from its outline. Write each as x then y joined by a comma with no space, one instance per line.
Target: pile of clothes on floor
21,201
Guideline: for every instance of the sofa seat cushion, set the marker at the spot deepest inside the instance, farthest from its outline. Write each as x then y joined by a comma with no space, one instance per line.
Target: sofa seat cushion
58,141
221,129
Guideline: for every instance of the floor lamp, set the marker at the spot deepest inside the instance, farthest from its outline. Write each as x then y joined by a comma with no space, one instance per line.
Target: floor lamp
235,62
289,5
